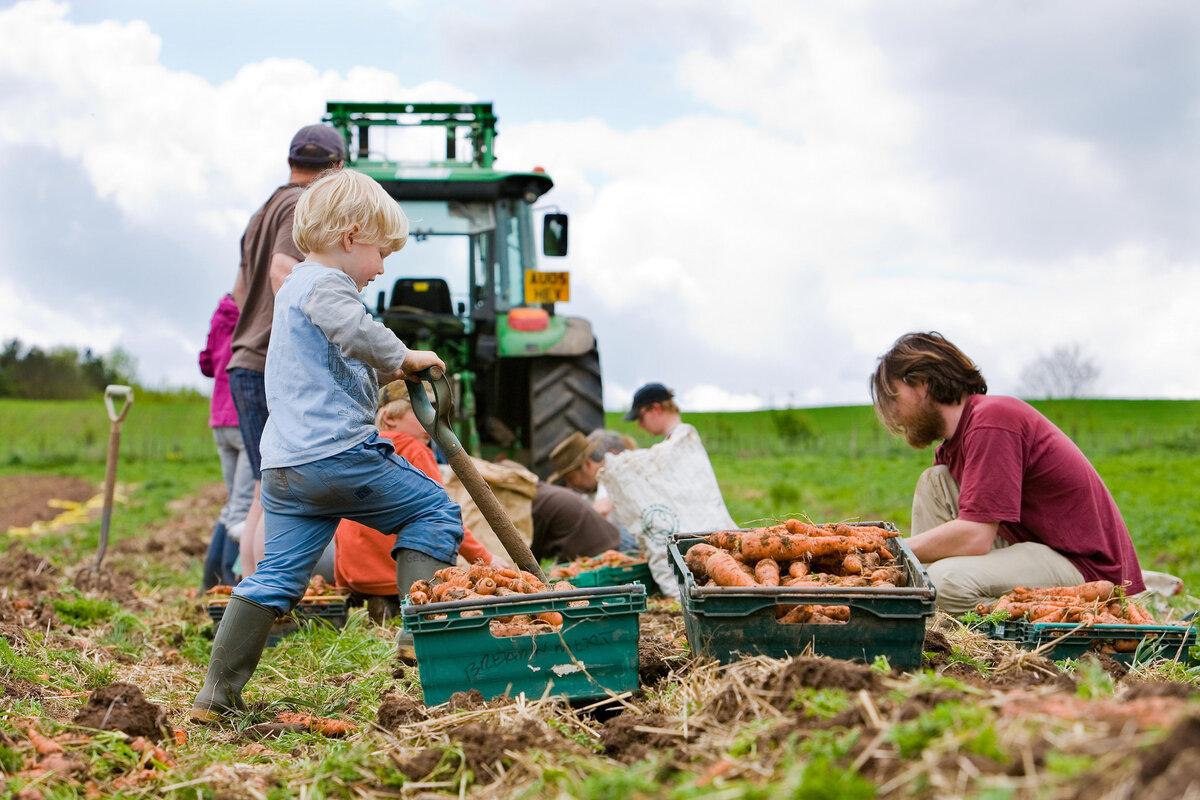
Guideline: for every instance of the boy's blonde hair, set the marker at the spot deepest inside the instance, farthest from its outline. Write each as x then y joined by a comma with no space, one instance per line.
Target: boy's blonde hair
393,402
342,201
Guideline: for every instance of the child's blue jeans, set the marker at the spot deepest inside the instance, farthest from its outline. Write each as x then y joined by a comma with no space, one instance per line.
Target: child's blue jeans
368,484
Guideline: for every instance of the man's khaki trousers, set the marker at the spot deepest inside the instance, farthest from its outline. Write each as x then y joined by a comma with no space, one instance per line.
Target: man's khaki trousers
965,581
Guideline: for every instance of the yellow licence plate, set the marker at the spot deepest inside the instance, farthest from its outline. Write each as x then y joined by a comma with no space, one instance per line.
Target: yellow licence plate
547,287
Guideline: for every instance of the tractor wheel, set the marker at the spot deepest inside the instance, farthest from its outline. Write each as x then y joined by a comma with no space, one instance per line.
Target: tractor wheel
564,396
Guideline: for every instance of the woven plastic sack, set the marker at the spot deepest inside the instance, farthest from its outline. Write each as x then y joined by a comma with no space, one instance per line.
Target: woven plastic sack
666,489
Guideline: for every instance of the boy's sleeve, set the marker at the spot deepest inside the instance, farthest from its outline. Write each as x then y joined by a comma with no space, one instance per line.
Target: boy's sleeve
334,307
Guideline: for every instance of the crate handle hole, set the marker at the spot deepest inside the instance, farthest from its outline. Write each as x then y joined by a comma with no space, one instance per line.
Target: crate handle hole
811,614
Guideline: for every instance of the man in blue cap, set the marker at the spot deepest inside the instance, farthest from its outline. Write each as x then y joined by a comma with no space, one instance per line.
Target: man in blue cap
656,413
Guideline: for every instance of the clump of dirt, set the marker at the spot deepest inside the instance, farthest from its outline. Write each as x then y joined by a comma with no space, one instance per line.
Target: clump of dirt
24,572
423,763
23,614
1136,691
469,700
123,707
629,737
398,710
1172,769
778,686
485,742
25,499
113,583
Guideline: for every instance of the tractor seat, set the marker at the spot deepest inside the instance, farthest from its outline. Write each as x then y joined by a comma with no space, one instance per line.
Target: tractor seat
428,295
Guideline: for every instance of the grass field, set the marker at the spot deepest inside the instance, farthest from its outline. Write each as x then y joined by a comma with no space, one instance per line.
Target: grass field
827,463
759,730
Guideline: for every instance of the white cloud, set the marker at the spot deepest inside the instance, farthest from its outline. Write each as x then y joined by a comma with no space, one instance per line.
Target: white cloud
707,397
835,196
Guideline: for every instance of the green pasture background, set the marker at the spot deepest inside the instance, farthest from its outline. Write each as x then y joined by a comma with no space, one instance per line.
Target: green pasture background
827,463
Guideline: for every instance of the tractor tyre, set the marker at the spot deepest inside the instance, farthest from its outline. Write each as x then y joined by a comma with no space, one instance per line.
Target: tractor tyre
564,396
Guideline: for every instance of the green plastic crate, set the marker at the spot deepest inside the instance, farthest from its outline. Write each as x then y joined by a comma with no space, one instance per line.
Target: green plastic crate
1165,641
616,576
595,653
728,624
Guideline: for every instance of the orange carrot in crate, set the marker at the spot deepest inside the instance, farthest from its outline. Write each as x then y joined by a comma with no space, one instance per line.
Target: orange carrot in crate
696,557
1085,592
766,572
725,571
852,565
798,569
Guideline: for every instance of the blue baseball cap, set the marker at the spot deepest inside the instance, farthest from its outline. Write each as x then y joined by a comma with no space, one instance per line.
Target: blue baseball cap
317,146
647,395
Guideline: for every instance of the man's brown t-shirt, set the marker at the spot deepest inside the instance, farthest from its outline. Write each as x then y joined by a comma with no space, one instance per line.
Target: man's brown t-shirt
269,232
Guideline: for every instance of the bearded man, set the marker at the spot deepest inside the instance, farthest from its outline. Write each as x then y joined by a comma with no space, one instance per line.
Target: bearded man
1010,500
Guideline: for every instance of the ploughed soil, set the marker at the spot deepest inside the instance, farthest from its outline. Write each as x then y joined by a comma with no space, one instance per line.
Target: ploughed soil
1140,741
25,499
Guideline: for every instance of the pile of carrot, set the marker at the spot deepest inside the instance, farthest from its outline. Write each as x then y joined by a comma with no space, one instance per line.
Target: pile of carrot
319,587
797,553
1094,603
609,558
484,581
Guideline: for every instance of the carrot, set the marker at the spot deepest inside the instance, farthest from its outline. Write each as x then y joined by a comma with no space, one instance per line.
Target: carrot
485,586
891,575
418,598
321,725
1086,592
41,744
798,569
852,564
725,571
696,557
766,572
551,618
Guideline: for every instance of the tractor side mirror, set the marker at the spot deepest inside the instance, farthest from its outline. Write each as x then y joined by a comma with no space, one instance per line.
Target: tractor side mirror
462,308
554,235
380,303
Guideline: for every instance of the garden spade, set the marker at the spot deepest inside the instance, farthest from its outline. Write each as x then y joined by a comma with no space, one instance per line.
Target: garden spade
116,416
436,418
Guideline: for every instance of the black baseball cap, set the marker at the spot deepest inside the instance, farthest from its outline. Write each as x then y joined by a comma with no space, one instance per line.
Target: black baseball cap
650,393
317,145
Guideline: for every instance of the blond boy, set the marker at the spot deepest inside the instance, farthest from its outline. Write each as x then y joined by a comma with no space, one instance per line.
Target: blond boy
322,457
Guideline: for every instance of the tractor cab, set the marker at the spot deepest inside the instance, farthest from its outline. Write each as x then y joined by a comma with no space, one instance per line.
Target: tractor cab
467,283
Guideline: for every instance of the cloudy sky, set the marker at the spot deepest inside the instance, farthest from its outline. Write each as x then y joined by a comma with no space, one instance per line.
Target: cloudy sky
763,194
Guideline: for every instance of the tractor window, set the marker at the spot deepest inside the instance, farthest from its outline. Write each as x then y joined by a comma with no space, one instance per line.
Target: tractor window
517,253
443,239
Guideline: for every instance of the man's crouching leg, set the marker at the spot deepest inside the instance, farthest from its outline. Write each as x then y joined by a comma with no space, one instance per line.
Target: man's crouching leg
236,651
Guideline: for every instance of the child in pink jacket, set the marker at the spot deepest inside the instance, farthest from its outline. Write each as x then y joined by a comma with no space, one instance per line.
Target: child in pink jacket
235,464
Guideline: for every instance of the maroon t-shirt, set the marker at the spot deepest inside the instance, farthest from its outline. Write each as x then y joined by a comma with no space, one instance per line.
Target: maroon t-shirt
1013,466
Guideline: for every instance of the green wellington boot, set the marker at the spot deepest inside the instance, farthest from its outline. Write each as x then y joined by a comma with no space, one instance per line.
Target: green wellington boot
236,650
412,566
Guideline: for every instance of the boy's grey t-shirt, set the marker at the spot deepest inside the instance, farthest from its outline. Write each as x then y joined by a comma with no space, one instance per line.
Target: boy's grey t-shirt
320,376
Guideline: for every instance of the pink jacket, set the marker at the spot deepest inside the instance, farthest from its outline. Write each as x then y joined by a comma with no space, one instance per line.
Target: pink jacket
214,357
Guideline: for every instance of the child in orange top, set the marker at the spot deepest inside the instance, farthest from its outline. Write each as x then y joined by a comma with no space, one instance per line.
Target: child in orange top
363,559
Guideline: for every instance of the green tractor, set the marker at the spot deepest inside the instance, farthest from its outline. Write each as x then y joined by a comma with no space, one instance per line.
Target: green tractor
525,377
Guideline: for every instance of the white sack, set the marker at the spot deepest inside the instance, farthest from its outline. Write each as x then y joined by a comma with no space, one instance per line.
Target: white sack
665,489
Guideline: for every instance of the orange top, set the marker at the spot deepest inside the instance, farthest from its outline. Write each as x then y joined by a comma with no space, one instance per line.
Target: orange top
363,556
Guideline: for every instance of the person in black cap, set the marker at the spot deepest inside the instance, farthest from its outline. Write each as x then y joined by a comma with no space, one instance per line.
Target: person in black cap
267,258
656,413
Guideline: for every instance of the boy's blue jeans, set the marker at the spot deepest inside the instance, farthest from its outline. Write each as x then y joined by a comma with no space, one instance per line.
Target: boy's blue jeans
368,484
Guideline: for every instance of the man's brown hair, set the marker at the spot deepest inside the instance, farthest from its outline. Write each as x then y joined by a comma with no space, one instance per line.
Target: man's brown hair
928,358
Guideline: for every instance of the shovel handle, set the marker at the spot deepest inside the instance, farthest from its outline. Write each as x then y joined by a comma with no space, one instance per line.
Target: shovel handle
436,422
111,393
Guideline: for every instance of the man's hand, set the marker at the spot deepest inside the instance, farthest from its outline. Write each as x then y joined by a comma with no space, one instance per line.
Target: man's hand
418,360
